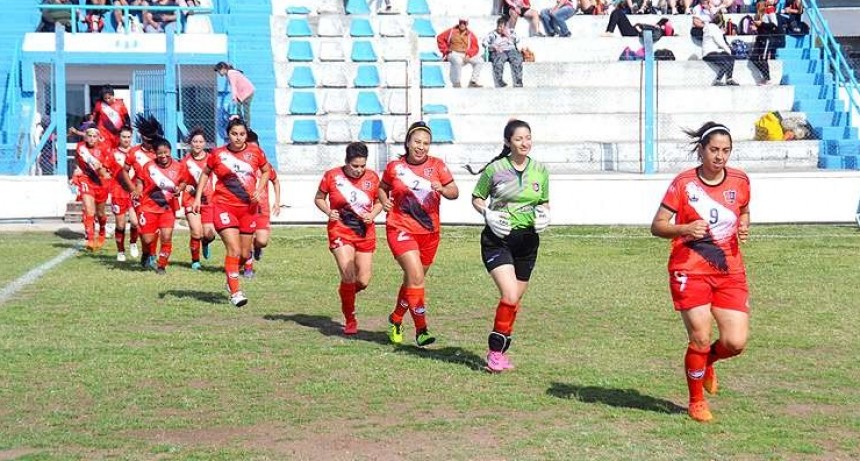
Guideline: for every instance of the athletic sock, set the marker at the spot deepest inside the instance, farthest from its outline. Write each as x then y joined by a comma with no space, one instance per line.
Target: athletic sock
164,254
153,247
347,300
194,246
400,306
102,225
132,238
90,227
695,362
119,237
231,268
417,307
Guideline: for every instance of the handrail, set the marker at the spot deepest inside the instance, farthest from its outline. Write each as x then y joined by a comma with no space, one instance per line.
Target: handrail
13,88
126,12
842,71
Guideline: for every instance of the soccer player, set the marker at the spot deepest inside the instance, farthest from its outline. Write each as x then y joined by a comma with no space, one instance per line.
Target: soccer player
348,195
707,278
410,192
110,116
159,183
149,129
264,221
513,196
95,162
202,230
121,201
243,173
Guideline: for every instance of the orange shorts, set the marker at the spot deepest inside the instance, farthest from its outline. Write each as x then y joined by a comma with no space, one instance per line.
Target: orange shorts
364,245
242,217
97,192
263,221
727,291
401,241
150,222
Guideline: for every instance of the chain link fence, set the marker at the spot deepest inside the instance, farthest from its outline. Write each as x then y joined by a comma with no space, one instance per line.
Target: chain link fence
42,142
197,102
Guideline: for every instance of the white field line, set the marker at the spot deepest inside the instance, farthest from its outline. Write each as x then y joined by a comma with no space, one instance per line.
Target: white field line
35,274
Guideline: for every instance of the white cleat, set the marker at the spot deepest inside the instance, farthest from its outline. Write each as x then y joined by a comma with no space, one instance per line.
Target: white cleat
135,253
120,257
238,299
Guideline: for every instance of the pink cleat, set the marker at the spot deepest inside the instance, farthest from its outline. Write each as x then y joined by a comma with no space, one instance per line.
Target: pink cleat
497,362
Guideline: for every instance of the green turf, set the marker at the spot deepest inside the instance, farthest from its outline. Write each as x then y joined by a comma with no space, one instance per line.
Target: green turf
103,361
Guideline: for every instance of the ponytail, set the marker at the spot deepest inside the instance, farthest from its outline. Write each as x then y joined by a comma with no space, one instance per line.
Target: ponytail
504,153
510,128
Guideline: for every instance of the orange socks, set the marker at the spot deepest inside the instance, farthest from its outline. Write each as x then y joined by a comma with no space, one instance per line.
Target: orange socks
400,307
695,362
347,300
231,267
90,227
102,226
506,314
415,300
194,246
164,255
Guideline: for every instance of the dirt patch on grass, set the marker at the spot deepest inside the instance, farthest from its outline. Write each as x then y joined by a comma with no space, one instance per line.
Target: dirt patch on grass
15,453
801,410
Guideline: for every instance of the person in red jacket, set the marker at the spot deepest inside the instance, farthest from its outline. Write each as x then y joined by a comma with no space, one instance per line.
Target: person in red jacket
110,116
459,46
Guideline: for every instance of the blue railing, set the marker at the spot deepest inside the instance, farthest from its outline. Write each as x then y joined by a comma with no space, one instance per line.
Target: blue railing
13,92
79,11
834,59
649,133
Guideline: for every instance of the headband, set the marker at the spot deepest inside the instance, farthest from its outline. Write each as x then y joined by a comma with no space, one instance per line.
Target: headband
418,127
87,131
712,130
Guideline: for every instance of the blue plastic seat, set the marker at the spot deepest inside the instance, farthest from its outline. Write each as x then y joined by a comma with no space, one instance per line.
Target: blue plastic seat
417,7
303,77
431,77
300,50
298,10
299,27
435,109
357,7
360,27
430,56
367,76
423,27
372,131
442,130
305,131
303,103
368,103
362,51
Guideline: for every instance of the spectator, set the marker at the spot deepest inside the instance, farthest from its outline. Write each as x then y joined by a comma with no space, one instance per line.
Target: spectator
52,17
513,9
135,17
94,18
590,7
554,18
702,15
502,44
459,46
716,51
77,134
241,89
618,19
763,50
792,13
160,21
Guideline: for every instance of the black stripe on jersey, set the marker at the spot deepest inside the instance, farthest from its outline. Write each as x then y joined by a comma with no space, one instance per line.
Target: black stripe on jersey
412,207
158,197
710,252
236,188
94,176
353,221
669,208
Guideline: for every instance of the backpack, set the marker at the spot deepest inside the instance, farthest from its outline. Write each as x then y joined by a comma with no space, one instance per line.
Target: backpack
664,55
629,55
731,28
666,25
740,49
745,26
769,127
656,31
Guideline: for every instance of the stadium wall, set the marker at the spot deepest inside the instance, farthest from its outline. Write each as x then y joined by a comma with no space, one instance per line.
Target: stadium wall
620,199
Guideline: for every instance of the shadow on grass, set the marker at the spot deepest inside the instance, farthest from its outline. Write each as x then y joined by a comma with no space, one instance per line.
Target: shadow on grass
66,245
625,398
68,234
329,327
204,268
202,296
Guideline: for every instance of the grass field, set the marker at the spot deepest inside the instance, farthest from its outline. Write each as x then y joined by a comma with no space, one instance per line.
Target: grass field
103,361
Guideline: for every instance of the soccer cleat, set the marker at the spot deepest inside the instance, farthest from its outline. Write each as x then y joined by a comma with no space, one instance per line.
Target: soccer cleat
100,242
120,257
496,362
196,266
506,362
151,263
258,254
424,338
134,251
351,327
248,273
160,271
206,252
90,245
238,299
395,332
699,411
709,382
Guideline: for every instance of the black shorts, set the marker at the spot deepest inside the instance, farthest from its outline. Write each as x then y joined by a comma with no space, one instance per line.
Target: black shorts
506,10
519,248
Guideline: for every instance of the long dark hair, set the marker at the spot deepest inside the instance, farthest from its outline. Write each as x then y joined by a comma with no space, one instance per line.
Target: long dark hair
702,136
510,128
148,127
420,125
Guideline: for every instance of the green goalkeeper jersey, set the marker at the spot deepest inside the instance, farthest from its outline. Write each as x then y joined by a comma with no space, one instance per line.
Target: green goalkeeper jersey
514,192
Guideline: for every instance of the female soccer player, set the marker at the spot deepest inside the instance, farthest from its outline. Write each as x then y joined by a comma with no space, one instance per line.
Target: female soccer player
110,116
410,193
94,160
149,129
121,201
159,183
202,230
513,196
264,222
707,278
242,172
348,195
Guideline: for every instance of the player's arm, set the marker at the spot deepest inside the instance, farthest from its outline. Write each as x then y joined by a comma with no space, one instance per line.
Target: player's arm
744,224
450,191
374,211
382,194
263,182
662,226
276,207
321,203
479,204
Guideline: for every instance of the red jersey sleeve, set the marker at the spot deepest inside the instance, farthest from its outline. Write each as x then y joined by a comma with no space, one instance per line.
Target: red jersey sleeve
325,183
444,173
672,199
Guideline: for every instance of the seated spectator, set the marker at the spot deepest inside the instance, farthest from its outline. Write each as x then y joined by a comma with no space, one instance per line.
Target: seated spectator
459,46
791,13
590,7
502,44
716,50
618,19
52,17
513,9
554,18
160,21
702,15
94,18
135,17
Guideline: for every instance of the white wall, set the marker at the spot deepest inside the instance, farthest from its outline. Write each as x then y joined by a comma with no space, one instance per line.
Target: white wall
815,196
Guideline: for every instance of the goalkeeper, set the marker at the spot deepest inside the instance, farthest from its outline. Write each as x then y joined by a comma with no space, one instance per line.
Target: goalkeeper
513,196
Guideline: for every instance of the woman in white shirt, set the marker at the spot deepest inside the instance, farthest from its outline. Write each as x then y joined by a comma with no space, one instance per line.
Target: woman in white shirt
716,51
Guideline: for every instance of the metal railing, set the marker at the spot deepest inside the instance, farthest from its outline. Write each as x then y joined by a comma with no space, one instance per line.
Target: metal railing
834,59
78,12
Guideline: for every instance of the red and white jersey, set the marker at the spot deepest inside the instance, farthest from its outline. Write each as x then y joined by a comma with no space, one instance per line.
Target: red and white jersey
110,117
138,157
352,198
265,205
195,169
90,159
237,174
117,191
161,185
416,204
720,206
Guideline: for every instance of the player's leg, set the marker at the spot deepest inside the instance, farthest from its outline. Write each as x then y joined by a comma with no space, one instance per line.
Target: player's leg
121,219
101,216
731,312
698,323
134,232
195,228
233,248
344,257
209,233
167,222
89,216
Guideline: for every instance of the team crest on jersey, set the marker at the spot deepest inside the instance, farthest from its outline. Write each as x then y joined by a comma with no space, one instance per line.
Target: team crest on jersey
247,157
536,186
692,194
730,196
367,185
428,171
